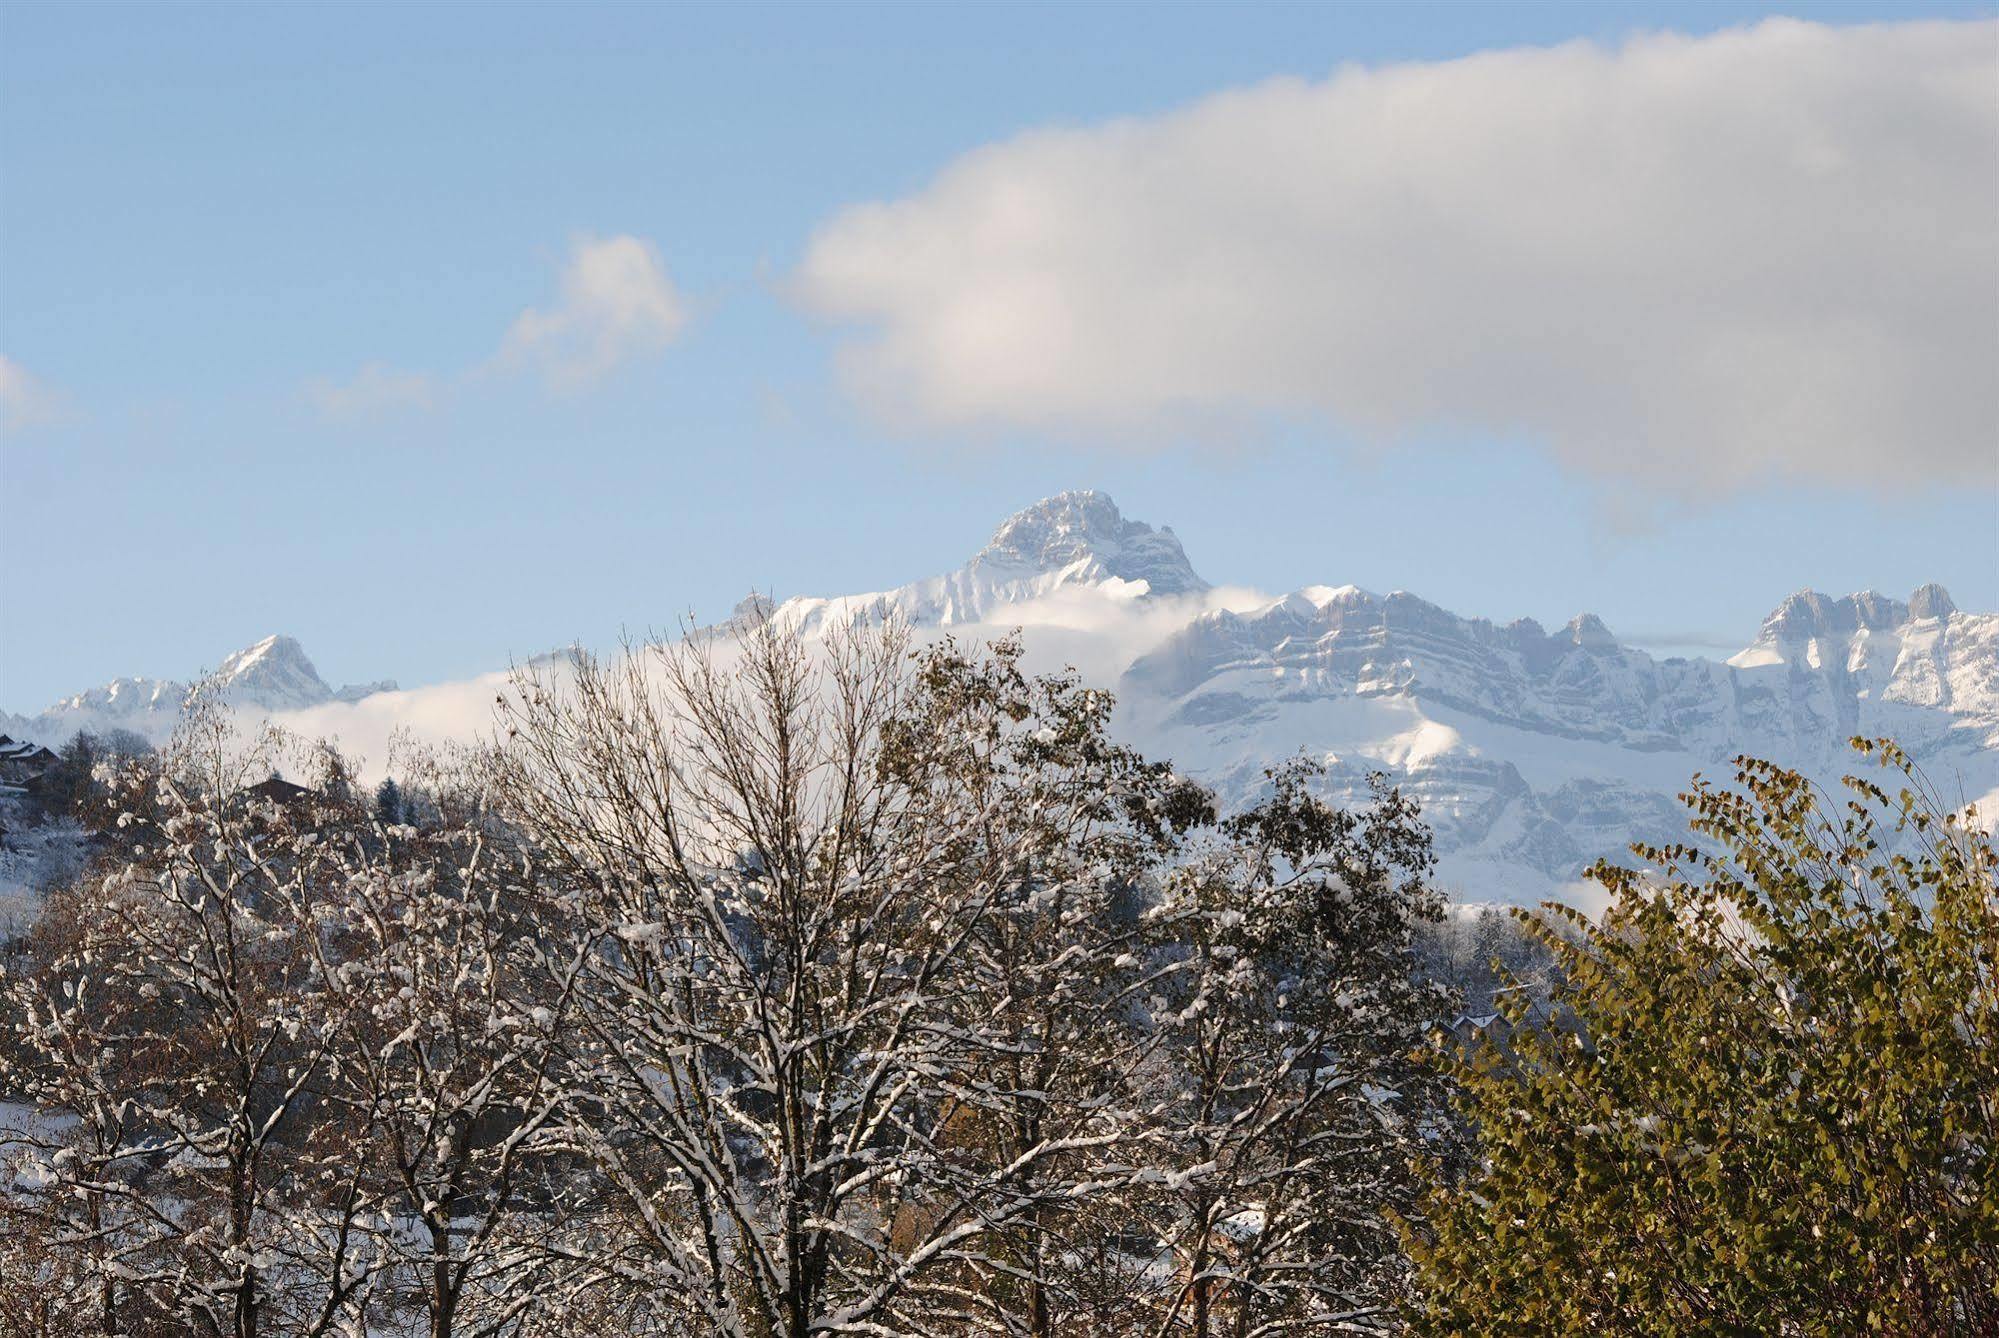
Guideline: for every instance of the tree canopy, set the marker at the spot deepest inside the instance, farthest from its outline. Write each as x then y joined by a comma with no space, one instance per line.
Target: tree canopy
1763,1098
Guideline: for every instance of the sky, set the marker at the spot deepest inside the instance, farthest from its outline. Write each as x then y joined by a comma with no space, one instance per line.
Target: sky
437,336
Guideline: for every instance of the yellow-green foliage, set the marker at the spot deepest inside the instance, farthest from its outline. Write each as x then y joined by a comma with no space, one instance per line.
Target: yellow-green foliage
1764,1099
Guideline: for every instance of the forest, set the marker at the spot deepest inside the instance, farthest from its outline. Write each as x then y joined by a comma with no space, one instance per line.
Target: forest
748,987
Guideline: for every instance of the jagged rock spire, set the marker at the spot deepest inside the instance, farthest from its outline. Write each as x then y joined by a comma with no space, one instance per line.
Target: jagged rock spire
1085,526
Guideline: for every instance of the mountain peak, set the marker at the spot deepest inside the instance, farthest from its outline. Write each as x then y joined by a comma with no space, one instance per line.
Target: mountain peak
1075,542
1588,631
1809,614
1085,528
752,610
274,674
269,655
1931,601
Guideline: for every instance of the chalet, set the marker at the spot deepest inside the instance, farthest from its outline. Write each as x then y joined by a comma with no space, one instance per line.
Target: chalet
1472,1029
21,761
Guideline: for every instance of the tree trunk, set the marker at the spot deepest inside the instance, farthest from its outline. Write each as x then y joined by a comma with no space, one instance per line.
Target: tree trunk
443,1305
1198,1286
246,1306
443,1295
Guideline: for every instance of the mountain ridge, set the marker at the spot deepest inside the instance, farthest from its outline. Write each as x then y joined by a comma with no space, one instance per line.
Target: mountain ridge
271,675
1533,752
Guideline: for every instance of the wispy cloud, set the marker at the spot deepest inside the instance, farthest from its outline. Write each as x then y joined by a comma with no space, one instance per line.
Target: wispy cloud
375,388
1687,263
25,400
616,303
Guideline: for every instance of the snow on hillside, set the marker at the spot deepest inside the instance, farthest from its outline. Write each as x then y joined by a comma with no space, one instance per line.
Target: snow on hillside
1534,752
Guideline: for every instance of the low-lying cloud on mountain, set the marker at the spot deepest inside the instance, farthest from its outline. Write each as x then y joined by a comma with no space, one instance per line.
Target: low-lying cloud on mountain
1534,751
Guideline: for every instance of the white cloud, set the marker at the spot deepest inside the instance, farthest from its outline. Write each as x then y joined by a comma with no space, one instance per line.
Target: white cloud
440,716
616,303
25,400
1096,631
376,388
1689,262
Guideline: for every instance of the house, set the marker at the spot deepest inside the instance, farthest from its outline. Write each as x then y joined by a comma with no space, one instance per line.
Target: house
279,791
21,761
1473,1028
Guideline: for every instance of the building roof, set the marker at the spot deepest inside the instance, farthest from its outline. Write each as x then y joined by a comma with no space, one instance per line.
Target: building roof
279,790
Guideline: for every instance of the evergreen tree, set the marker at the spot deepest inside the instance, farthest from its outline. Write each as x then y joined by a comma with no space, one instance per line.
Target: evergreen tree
389,808
68,785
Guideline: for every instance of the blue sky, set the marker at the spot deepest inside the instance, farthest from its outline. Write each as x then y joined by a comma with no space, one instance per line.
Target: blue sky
208,212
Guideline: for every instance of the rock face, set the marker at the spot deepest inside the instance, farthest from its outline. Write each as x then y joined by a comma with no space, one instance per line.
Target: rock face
1536,754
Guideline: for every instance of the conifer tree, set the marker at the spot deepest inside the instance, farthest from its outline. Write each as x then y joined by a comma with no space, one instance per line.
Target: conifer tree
388,803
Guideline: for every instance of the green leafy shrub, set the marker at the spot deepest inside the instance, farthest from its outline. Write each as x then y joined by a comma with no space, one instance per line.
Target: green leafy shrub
1766,1095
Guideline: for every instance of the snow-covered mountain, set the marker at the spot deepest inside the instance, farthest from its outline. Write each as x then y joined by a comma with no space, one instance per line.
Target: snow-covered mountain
268,678
1069,542
1533,751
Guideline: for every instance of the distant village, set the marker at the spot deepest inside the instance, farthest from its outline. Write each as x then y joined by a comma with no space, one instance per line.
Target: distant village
49,829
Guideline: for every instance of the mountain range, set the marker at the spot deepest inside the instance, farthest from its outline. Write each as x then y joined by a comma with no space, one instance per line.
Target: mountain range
269,678
1533,752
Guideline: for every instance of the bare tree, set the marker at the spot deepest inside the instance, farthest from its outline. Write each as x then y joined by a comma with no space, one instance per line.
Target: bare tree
1044,984
1289,1103
754,987
792,870
161,1028
443,1080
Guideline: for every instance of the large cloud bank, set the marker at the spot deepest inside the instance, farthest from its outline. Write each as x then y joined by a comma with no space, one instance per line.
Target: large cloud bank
1699,262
